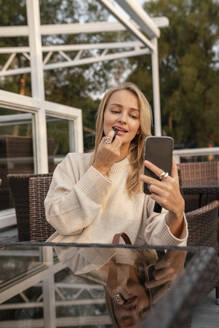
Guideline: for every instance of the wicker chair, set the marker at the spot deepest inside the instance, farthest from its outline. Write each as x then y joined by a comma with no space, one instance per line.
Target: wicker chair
19,185
202,225
198,171
175,308
40,229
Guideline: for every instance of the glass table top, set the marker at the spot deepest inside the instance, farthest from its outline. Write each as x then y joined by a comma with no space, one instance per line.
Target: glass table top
96,286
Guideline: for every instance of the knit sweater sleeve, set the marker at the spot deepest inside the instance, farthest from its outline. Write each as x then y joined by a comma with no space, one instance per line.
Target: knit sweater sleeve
76,195
156,231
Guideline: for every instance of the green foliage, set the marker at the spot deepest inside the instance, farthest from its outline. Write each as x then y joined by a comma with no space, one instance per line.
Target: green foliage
188,73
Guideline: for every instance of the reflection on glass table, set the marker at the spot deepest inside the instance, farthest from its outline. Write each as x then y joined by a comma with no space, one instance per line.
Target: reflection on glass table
17,261
96,286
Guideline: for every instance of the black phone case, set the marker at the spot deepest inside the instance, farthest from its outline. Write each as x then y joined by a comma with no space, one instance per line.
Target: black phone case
159,151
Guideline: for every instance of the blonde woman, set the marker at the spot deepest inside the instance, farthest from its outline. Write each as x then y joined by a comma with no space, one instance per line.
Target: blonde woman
95,195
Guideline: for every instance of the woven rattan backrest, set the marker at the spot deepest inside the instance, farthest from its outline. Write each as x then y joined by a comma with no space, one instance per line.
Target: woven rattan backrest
199,171
202,224
19,188
19,185
196,173
40,229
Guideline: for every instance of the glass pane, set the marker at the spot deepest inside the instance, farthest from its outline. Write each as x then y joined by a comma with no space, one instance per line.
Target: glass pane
23,260
98,286
60,140
16,150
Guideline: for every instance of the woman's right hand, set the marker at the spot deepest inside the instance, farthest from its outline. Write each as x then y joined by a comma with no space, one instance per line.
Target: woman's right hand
107,154
167,269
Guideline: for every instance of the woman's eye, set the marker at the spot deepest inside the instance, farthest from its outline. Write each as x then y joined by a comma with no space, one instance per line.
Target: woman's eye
115,111
133,116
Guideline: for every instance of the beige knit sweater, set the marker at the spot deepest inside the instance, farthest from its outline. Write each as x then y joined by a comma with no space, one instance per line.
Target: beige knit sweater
86,207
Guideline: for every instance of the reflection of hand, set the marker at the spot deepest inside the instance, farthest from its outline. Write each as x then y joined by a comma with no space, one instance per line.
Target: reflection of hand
166,271
107,154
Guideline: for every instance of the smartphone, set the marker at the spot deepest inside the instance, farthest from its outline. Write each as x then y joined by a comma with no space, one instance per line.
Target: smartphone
159,151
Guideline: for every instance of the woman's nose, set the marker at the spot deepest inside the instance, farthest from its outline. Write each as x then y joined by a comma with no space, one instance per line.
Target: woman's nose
123,117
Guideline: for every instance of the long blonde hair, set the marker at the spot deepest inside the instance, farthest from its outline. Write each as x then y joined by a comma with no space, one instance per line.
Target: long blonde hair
136,147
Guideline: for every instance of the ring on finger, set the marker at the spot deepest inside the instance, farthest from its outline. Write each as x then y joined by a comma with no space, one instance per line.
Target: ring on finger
118,299
163,175
107,140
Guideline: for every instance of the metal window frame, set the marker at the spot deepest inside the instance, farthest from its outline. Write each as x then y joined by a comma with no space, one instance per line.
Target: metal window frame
40,109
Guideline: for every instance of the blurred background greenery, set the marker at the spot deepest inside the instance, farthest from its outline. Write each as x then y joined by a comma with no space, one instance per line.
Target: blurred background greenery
187,61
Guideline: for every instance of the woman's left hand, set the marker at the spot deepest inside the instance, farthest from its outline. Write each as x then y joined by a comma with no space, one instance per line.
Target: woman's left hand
166,192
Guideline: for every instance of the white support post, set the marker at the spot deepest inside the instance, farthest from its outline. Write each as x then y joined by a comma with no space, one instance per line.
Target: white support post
48,284
78,133
33,16
37,84
40,139
156,89
71,136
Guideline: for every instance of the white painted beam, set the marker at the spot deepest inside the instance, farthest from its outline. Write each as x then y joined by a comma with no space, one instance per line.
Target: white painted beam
87,46
139,15
84,61
75,47
8,50
128,25
197,151
96,59
76,28
9,61
16,71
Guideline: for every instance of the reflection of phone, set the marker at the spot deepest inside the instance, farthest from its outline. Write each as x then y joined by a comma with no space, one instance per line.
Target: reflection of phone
159,151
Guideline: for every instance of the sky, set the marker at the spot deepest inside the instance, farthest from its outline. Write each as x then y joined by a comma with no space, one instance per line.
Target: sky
140,2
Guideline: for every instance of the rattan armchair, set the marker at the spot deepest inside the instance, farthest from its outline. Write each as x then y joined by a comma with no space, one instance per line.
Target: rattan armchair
202,225
191,173
40,229
19,185
199,170
175,308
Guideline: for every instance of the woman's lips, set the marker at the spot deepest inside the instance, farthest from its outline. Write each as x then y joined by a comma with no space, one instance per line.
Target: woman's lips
121,133
119,129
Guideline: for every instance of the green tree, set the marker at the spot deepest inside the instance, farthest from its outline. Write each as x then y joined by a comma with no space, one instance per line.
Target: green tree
188,71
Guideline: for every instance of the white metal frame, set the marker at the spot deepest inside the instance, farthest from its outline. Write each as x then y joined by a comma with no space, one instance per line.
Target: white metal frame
140,20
